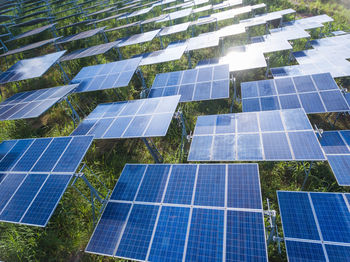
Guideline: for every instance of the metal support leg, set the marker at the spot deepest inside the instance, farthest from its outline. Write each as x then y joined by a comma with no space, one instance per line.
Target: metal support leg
105,37
189,60
144,86
65,76
234,99
272,229
161,42
307,173
180,117
153,150
75,116
119,53
3,46
267,68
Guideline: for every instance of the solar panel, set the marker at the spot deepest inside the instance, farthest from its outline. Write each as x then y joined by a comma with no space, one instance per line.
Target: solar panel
30,68
81,35
75,24
32,103
174,29
317,93
205,40
176,15
139,38
130,119
106,19
137,23
315,225
231,13
32,14
226,4
106,76
312,22
29,47
279,135
140,12
289,33
172,52
35,21
90,51
235,29
202,9
180,213
194,84
32,32
35,174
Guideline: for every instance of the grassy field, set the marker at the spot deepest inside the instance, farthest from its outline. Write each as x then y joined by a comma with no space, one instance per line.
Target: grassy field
70,228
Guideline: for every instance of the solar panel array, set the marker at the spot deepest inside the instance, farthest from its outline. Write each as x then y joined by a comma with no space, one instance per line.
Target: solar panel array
317,93
34,173
130,119
81,35
193,85
183,213
32,32
315,225
279,135
30,68
32,103
106,76
139,38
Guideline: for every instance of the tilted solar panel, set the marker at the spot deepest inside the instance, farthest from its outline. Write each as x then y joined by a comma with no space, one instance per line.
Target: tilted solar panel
106,76
130,119
279,135
32,32
183,213
81,35
139,38
193,85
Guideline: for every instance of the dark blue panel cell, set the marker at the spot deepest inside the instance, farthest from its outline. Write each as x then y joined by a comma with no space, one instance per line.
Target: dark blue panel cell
137,126
14,154
128,183
247,122
2,177
171,90
251,105
200,148
123,80
295,120
84,127
32,154
270,121
224,148
104,82
249,89
180,185
266,88
244,186
333,216
312,103
131,108
108,231
83,84
285,86
297,217
48,160
205,125
304,84
8,186
269,103
100,127
210,188
249,147
245,240
170,236
174,78
225,124
324,81
202,91
304,251
337,253
332,143
74,154
205,74
305,146
118,127
12,111
149,106
346,136
205,240
220,89
340,165
289,102
156,92
160,80
276,146
221,72
153,184
159,125
46,201
138,231
23,197
186,92
189,76
114,109
5,147
99,111
334,101
41,108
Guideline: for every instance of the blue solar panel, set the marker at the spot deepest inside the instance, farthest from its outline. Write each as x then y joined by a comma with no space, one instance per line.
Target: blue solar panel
205,240
316,93
5,147
14,154
106,76
329,240
178,212
8,186
170,236
134,118
194,84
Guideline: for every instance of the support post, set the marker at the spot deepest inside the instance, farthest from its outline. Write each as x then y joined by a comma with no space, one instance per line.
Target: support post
234,99
307,173
64,75
267,67
161,42
153,150
3,46
272,229
144,86
75,116
119,53
180,117
189,60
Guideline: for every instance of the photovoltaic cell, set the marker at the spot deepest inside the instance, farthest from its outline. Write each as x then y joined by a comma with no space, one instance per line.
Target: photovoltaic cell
30,68
194,84
246,138
301,211
130,119
316,93
154,214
